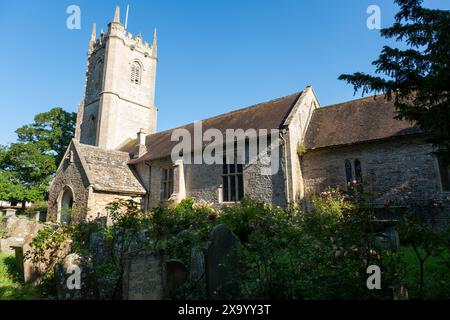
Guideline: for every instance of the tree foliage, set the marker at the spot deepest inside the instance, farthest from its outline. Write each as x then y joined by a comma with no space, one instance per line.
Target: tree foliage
51,132
27,166
418,76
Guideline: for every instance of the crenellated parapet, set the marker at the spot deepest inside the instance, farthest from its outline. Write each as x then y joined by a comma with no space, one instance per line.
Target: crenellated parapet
117,30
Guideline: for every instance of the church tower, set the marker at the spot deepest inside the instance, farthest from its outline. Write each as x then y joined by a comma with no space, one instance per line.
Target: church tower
119,96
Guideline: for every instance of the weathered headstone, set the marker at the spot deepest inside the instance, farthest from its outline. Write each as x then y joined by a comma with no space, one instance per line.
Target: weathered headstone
43,216
75,279
36,216
39,216
18,227
177,274
388,239
18,254
381,242
144,276
400,292
7,245
98,247
197,265
10,213
392,234
222,262
33,271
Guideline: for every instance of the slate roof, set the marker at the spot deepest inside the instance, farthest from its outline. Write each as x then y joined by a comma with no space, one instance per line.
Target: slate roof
370,118
108,170
267,115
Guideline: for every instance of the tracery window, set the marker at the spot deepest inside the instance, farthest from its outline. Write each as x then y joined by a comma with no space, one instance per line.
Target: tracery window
136,73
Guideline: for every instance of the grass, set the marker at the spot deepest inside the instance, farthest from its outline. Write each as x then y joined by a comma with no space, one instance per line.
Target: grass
11,285
436,275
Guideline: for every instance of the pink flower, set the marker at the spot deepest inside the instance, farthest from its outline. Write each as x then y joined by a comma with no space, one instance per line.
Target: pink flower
354,181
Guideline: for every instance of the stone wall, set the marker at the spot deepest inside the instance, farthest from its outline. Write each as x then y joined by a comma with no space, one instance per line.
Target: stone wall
297,122
88,126
204,182
270,189
154,192
399,171
142,170
70,174
98,201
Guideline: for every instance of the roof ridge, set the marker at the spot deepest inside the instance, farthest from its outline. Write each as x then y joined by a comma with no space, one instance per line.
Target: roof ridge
354,100
82,145
230,112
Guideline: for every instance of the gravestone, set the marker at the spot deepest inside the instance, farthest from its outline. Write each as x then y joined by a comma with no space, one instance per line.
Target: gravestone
10,213
18,254
197,265
98,247
177,275
7,245
68,287
43,216
400,292
18,227
222,262
33,271
144,276
387,240
39,216
393,237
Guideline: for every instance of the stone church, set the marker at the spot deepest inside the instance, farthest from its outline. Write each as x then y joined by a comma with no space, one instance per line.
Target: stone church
117,152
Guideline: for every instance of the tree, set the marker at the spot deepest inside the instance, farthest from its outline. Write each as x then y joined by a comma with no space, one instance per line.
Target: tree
27,166
51,132
417,78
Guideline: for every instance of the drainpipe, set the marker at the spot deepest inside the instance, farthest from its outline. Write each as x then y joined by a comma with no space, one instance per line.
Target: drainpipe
147,206
288,196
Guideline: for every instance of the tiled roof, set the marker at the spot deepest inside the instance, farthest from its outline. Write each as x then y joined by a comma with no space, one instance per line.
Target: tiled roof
268,115
108,170
360,120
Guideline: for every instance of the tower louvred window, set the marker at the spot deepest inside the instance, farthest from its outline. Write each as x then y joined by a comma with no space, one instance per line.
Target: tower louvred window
135,73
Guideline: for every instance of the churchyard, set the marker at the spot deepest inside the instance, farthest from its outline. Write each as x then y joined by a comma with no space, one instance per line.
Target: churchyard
196,251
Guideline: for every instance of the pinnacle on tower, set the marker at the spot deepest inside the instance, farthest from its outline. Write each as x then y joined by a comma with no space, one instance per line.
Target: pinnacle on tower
155,45
93,36
117,15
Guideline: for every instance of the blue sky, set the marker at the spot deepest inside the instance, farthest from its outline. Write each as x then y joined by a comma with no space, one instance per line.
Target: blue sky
214,55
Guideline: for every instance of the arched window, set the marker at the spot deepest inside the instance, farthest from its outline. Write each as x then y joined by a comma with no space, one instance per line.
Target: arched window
136,73
348,171
65,206
98,76
358,171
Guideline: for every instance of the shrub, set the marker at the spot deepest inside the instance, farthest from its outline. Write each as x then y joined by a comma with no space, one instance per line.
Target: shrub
285,253
178,228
